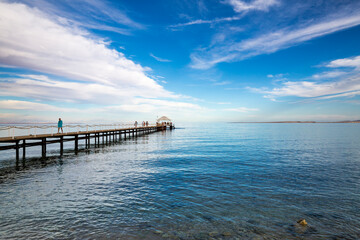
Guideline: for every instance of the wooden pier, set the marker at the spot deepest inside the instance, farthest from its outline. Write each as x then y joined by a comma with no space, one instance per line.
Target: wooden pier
99,137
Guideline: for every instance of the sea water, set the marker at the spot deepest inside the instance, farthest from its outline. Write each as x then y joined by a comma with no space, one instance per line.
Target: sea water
203,181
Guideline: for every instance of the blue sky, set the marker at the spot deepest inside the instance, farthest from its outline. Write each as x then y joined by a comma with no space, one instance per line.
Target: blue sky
214,60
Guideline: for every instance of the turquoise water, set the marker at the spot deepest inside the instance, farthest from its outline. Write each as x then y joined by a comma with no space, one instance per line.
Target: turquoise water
210,181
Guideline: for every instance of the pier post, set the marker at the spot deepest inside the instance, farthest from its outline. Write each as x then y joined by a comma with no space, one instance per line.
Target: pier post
17,155
76,143
43,148
24,149
107,137
95,139
61,145
86,141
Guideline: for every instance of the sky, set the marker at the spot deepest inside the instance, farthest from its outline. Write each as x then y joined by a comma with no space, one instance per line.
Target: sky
102,61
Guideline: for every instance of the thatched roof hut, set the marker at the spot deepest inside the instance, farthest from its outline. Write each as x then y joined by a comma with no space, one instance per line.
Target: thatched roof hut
163,119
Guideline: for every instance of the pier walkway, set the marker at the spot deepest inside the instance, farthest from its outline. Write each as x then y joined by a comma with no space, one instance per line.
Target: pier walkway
98,136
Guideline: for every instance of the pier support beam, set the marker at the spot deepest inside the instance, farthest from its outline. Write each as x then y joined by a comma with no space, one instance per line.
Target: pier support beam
17,155
43,148
76,143
24,149
24,153
61,145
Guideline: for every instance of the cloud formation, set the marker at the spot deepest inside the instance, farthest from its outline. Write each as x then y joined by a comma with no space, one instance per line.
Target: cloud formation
35,42
259,5
230,51
91,14
238,6
159,59
203,21
345,62
338,86
242,109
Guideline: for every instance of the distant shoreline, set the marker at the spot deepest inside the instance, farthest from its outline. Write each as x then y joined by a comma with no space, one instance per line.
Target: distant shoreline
355,121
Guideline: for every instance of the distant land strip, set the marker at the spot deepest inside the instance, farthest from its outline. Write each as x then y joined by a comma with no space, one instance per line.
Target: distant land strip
354,121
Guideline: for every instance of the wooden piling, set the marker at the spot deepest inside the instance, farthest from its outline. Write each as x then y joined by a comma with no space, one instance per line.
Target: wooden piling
76,143
61,145
24,149
43,148
17,155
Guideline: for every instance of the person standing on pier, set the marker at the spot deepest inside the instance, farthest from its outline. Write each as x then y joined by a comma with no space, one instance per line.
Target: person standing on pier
60,124
147,123
135,124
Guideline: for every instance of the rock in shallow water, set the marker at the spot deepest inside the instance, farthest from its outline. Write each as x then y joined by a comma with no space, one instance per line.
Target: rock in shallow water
226,234
302,222
158,231
213,234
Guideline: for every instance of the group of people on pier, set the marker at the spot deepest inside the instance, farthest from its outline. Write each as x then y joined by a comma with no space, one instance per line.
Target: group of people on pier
164,124
144,124
158,124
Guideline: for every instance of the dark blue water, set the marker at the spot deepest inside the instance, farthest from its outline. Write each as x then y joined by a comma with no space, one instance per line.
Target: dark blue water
212,181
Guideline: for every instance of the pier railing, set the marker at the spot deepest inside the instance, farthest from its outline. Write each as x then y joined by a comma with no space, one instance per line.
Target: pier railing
34,130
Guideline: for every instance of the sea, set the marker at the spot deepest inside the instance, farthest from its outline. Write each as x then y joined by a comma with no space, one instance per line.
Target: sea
200,181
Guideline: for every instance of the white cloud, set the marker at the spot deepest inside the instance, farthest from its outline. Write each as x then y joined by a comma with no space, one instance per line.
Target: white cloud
92,14
307,89
69,91
259,5
222,83
345,62
26,105
342,84
268,43
331,74
242,109
155,105
202,21
35,42
134,105
159,59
